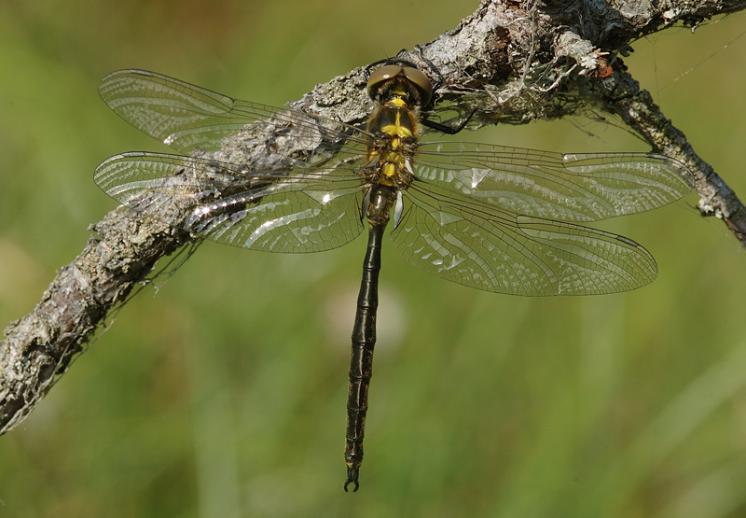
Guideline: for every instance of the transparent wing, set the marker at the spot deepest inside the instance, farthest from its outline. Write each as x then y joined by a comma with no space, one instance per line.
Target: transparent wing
314,210
568,187
480,246
189,117
288,222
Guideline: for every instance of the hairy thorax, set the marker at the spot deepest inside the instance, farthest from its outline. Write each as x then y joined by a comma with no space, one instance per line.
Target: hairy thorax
394,128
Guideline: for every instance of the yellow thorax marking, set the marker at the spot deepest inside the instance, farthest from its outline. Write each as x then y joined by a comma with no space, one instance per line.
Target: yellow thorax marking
398,102
390,158
389,169
396,129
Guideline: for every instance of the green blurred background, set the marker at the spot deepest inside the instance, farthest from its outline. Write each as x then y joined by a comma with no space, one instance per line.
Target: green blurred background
221,391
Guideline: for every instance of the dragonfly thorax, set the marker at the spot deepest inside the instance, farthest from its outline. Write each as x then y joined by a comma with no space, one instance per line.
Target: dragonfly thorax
394,126
394,129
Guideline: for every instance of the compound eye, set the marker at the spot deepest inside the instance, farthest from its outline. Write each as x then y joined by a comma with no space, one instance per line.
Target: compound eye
421,81
380,76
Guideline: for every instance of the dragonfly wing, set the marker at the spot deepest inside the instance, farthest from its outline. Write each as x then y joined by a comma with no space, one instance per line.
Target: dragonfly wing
568,187
480,246
287,222
317,209
189,117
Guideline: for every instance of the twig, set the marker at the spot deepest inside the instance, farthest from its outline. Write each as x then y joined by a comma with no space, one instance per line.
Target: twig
636,107
544,59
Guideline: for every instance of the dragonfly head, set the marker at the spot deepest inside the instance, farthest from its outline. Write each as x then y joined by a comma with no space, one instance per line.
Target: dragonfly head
397,80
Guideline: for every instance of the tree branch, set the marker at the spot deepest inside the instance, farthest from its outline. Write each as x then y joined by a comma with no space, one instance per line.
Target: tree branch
511,62
625,98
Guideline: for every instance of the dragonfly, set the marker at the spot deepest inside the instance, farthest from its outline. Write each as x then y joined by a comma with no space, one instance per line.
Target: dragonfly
496,218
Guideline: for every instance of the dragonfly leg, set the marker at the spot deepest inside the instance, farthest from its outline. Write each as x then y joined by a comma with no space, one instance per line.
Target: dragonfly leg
444,128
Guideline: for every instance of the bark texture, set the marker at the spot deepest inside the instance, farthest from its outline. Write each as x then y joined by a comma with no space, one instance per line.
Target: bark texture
509,62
